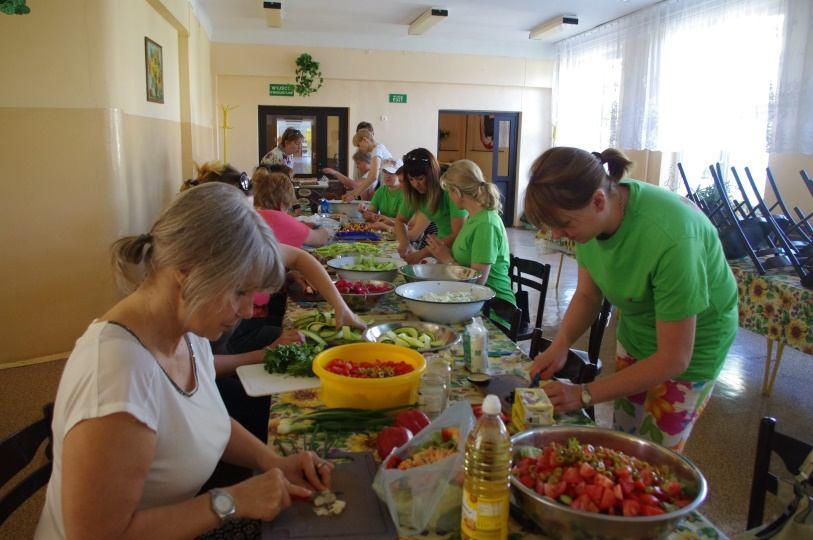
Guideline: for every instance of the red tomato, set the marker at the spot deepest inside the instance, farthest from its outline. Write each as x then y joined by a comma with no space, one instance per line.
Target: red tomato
631,508
554,491
571,475
647,510
673,488
607,499
586,470
526,480
603,481
648,499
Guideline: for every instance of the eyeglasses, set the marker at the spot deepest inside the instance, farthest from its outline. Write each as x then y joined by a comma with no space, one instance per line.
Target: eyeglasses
244,183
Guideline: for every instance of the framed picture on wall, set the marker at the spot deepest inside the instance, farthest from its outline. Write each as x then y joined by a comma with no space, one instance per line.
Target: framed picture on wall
154,66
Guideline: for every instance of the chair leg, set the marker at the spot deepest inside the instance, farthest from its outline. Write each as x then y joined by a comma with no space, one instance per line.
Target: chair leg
779,350
559,271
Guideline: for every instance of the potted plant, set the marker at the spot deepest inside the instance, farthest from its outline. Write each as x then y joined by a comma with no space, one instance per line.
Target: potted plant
308,77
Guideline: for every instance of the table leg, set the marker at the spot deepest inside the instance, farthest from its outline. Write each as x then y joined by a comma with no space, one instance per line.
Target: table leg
779,350
559,271
769,341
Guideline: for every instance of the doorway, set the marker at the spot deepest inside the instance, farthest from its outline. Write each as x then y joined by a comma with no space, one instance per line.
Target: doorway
325,131
490,140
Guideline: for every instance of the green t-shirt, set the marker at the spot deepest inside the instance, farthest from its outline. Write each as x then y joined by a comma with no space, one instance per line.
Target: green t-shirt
665,263
387,202
483,240
442,217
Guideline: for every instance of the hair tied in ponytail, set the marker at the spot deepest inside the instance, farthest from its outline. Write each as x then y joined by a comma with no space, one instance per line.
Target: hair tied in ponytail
598,156
145,238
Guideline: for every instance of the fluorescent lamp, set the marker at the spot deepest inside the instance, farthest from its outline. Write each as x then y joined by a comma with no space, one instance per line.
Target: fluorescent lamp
273,14
552,27
427,20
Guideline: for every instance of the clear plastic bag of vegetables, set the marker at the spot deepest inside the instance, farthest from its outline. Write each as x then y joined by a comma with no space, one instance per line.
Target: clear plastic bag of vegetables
422,481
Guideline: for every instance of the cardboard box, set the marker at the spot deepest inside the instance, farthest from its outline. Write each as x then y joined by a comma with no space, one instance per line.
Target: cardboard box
531,408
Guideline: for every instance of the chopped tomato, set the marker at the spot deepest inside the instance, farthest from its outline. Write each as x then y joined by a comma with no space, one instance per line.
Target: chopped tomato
648,499
572,475
554,491
631,508
586,470
648,510
607,499
526,480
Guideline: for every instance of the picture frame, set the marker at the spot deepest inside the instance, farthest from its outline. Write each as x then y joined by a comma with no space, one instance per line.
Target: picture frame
154,70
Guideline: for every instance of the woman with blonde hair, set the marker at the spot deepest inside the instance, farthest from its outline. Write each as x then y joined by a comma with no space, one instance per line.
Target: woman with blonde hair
288,146
659,260
365,142
217,171
273,196
482,243
138,424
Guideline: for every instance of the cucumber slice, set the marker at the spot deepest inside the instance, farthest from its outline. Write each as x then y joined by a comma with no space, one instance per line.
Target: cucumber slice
316,326
409,331
401,342
314,337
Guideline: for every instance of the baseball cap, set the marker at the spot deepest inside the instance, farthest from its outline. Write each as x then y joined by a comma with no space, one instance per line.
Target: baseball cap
392,165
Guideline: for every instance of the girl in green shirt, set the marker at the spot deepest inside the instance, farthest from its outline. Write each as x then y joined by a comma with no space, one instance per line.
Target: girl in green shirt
387,199
658,259
482,243
425,202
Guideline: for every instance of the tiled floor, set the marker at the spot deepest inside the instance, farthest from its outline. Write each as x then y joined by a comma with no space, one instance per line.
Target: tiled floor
722,445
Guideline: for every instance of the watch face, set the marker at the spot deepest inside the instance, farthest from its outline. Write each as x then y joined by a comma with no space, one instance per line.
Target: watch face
223,503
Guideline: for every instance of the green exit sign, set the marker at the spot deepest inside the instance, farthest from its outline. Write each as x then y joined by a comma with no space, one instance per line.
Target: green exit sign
398,98
280,89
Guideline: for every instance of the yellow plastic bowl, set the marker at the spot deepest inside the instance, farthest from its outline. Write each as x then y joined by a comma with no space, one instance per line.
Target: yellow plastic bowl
341,391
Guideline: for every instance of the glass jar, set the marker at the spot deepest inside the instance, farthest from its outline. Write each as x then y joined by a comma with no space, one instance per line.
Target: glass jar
435,384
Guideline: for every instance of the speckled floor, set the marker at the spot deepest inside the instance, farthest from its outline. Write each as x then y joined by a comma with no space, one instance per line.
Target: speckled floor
722,445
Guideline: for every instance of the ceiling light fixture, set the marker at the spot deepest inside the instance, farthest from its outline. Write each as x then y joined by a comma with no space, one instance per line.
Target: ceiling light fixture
273,14
427,20
553,26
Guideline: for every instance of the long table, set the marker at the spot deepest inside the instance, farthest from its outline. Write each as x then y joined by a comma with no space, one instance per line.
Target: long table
505,358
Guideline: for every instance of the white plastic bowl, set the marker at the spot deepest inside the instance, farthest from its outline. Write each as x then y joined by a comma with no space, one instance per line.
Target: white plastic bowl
443,312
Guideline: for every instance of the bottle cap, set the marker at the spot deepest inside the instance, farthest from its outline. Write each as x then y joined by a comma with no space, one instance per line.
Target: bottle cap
492,405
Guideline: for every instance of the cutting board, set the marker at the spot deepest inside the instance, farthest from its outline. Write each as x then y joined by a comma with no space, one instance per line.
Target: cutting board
258,382
364,518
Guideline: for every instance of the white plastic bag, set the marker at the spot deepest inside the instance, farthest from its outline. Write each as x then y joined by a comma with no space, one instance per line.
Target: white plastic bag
429,497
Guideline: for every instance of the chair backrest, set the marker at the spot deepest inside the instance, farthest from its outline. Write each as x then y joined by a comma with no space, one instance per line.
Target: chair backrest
506,311
597,331
527,273
791,451
16,452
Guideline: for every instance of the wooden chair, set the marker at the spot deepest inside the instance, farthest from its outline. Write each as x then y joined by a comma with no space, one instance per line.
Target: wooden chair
581,366
16,452
529,274
791,451
508,312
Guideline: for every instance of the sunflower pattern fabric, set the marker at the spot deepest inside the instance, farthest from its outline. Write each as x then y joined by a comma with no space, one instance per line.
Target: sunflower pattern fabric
775,305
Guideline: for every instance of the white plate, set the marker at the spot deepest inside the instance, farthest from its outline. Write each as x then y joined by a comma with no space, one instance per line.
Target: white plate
258,382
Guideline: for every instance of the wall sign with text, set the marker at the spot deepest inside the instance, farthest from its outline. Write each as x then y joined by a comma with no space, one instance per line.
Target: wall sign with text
281,90
398,98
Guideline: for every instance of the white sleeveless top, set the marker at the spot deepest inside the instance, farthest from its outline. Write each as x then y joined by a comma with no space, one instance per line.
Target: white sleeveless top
109,371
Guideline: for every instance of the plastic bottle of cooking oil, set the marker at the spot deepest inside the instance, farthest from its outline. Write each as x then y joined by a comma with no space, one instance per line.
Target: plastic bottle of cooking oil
487,468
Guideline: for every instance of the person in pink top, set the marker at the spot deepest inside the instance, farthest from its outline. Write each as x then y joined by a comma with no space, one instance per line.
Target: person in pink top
273,197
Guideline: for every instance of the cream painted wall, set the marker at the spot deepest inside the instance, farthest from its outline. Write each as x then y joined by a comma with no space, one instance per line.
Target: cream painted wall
785,169
85,158
362,80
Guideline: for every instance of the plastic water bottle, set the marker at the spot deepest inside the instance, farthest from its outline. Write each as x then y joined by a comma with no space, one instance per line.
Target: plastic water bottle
475,346
324,206
487,468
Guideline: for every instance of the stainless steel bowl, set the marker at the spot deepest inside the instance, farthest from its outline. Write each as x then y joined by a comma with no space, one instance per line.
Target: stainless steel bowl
439,272
340,263
441,332
350,209
560,521
365,302
443,312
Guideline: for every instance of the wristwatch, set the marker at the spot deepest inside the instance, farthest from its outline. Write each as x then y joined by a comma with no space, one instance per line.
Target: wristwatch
223,504
586,398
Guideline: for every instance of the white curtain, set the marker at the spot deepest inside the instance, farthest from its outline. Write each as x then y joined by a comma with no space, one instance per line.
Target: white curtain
791,119
699,77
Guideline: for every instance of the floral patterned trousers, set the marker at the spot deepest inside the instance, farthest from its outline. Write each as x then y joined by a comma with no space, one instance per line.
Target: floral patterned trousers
665,414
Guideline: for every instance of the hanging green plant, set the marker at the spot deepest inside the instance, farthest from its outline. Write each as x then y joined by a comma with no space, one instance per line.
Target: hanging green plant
14,7
308,77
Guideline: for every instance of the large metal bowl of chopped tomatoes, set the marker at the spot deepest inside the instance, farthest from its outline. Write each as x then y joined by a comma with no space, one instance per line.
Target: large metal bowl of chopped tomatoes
586,482
369,375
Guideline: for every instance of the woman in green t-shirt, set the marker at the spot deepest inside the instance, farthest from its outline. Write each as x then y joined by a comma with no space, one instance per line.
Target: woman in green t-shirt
425,202
387,199
658,259
482,243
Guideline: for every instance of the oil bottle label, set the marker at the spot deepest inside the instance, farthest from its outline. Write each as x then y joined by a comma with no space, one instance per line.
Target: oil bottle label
484,517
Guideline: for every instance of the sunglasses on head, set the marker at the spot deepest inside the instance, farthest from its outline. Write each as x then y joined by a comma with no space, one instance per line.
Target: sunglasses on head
244,183
408,158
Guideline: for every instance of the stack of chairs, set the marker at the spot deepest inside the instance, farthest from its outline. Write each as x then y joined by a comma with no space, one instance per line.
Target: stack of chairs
770,235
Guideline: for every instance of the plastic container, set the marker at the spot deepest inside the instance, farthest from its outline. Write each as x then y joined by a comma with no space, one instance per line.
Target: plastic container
475,346
324,206
487,470
341,391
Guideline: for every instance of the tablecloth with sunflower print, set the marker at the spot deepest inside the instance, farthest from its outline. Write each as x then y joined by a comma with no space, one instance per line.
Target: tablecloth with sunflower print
775,305
505,357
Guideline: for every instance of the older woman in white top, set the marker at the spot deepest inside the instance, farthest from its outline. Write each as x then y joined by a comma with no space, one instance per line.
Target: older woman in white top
138,423
365,142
